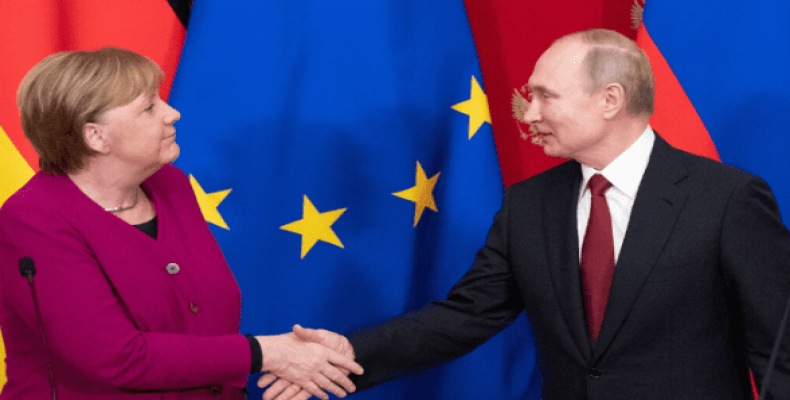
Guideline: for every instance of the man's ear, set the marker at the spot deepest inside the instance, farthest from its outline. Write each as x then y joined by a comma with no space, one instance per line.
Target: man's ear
613,97
96,137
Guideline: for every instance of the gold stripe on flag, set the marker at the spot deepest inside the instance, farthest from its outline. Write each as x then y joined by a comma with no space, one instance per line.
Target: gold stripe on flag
3,378
15,171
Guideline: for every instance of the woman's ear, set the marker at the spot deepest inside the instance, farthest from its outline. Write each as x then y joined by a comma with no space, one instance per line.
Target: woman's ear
96,137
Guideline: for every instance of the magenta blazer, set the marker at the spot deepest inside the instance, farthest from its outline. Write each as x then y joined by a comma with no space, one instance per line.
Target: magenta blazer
126,316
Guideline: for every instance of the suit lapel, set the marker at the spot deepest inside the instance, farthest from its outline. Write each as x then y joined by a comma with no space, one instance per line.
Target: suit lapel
562,252
656,208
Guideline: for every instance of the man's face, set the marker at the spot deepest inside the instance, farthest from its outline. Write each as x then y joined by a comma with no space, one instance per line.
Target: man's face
566,118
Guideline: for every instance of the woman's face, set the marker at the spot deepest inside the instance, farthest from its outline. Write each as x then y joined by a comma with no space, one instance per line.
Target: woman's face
141,133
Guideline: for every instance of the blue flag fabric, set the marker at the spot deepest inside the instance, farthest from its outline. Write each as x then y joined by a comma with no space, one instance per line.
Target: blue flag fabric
355,140
731,59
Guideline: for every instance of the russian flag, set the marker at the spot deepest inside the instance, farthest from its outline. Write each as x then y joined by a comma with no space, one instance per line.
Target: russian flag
722,71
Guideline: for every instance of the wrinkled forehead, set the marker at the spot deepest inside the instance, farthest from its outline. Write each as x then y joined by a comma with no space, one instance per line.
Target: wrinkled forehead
559,66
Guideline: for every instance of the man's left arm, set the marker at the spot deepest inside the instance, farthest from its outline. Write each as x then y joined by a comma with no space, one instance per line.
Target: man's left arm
755,259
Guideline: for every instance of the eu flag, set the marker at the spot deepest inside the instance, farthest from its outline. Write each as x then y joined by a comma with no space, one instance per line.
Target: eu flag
342,153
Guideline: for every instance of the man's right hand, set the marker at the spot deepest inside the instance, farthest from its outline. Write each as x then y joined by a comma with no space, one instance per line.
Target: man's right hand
334,341
285,389
310,365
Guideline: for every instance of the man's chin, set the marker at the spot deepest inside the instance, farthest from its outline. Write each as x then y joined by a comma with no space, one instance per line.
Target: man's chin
552,151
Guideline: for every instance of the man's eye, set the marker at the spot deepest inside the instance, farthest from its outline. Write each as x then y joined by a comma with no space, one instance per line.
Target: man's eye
149,108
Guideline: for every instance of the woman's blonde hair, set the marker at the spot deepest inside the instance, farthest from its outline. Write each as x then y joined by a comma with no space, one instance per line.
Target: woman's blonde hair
67,90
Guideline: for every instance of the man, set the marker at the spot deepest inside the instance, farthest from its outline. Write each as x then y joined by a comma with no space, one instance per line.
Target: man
645,271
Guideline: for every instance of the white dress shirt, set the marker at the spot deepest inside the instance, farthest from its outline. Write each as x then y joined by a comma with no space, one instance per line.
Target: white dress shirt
625,174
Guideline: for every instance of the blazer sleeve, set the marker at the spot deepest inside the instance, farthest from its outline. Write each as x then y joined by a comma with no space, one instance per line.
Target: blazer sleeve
484,302
86,323
755,248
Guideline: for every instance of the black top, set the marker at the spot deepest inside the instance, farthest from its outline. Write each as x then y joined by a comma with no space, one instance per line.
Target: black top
149,228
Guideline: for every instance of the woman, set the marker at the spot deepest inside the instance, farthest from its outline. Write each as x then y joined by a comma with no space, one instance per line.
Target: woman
136,299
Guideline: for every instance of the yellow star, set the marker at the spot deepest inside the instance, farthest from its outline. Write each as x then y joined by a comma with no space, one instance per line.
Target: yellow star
421,193
476,108
209,202
315,226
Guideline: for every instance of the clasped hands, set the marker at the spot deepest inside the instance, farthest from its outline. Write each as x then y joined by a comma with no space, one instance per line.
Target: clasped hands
305,362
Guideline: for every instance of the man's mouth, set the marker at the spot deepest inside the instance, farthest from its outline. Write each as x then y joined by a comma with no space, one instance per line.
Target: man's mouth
536,136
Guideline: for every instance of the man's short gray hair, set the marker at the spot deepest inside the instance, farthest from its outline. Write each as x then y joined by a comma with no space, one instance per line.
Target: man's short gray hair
614,58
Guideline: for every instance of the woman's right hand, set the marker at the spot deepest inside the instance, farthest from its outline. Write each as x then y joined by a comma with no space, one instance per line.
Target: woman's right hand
309,365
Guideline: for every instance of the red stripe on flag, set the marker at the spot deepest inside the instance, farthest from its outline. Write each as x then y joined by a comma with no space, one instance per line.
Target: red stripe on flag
675,118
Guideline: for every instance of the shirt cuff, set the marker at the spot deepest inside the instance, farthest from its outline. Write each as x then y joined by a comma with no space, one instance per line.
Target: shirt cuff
257,354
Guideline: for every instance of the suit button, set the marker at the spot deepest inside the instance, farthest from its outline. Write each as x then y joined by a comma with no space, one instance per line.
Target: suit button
173,268
215,390
595,373
194,307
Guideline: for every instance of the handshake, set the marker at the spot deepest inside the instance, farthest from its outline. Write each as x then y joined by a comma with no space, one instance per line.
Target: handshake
305,362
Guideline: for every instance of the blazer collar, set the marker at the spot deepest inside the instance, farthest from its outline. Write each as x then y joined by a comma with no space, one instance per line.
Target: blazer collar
562,251
656,208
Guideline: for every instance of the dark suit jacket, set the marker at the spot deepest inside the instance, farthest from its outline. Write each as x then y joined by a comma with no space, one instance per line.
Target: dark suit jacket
696,300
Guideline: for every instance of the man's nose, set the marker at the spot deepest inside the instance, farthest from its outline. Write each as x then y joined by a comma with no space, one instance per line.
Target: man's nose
532,114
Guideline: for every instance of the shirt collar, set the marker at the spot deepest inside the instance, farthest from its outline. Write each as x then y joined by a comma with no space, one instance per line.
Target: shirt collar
625,172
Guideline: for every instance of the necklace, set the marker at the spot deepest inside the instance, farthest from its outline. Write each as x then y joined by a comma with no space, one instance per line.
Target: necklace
119,209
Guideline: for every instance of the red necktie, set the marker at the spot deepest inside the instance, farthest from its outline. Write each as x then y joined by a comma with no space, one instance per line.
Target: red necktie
597,263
